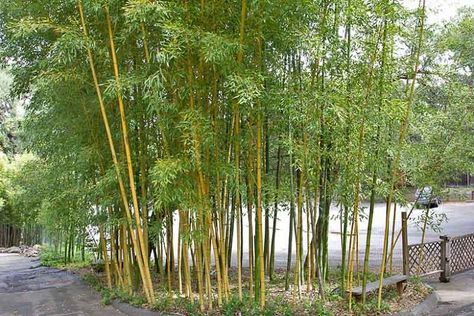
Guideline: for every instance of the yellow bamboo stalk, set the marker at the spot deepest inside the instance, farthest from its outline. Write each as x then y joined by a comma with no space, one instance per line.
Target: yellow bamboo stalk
145,43
114,259
180,254
141,240
123,194
249,212
168,264
103,246
201,247
401,140
258,213
187,272
299,235
216,255
102,239
243,15
126,258
309,255
143,188
361,139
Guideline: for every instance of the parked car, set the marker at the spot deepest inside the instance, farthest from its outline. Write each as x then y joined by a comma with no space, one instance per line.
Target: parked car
425,198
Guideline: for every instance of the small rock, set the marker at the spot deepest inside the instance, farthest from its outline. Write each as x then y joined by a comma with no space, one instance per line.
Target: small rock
32,253
13,250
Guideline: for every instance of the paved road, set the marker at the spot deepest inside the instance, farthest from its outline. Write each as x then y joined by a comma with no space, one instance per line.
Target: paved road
457,296
27,289
460,221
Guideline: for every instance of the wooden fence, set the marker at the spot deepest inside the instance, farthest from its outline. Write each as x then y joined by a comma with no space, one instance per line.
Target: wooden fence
424,259
447,256
462,253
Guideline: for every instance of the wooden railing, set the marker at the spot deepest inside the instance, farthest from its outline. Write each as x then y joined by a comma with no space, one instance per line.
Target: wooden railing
447,256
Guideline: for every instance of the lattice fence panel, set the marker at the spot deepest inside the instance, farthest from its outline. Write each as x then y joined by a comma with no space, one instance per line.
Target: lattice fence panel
462,253
430,259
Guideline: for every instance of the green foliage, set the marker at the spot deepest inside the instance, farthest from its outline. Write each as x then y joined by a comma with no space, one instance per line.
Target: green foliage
163,304
190,307
234,305
106,297
277,305
329,81
92,280
433,218
458,38
55,259
417,283
440,149
9,116
51,258
132,299
12,210
316,307
370,306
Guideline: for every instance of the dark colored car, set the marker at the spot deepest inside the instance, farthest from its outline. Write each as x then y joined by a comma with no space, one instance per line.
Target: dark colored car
425,198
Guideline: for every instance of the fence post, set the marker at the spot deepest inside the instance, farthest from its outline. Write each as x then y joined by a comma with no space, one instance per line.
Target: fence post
445,258
406,268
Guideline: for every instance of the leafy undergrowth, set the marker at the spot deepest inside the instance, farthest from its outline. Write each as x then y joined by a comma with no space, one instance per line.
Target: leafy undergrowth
55,259
278,301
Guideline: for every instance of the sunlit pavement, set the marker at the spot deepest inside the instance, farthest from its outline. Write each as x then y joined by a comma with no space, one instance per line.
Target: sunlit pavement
456,297
460,222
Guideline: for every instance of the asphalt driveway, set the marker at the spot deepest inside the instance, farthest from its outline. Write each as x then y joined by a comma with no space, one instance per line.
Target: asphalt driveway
28,289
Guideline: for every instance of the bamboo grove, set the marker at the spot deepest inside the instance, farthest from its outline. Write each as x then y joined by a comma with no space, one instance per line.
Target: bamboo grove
167,127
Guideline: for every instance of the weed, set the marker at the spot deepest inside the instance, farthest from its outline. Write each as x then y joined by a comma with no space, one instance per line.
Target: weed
370,306
106,297
92,280
51,258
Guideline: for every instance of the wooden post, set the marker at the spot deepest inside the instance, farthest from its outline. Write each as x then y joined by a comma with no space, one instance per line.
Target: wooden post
406,268
445,259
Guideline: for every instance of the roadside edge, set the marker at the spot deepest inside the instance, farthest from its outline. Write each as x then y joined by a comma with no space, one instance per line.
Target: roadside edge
424,308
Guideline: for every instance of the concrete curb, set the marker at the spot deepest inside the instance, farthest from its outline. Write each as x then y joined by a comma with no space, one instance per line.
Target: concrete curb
424,308
130,310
